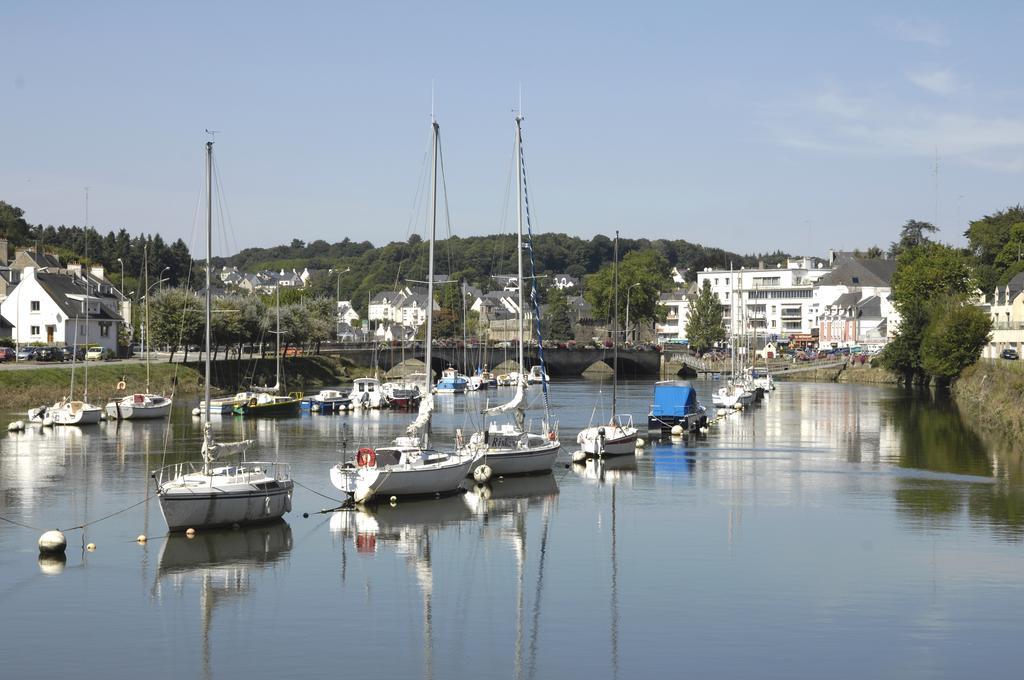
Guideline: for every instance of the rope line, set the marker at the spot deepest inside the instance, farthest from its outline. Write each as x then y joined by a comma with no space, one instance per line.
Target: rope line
113,514
19,524
298,483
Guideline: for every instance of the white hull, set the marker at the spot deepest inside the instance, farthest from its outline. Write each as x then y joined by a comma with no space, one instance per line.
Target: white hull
618,440
405,479
67,413
201,501
518,461
154,407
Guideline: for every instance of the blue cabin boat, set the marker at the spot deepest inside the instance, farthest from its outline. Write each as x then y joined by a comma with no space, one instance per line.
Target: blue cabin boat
675,403
451,382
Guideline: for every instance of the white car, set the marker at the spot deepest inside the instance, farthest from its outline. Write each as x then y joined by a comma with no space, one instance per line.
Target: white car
94,353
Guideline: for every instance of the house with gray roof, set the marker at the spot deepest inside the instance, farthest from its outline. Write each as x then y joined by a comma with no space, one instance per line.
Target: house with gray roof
51,307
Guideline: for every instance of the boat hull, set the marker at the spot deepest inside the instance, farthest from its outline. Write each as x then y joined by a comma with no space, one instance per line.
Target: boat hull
368,485
617,441
186,509
691,422
121,411
285,408
518,461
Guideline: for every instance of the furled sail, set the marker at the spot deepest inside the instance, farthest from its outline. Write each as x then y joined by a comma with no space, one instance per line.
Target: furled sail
517,403
213,450
426,408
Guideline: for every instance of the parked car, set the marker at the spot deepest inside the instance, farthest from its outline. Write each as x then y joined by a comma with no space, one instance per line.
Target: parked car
48,354
79,353
1009,354
25,353
6,354
94,353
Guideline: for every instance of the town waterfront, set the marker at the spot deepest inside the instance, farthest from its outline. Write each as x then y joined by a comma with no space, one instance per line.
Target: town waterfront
830,531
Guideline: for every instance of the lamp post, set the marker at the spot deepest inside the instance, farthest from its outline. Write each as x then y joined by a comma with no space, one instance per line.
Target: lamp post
162,279
337,306
628,291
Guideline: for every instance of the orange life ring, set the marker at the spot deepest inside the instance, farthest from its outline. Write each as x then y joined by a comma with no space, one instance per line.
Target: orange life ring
366,457
253,402
121,385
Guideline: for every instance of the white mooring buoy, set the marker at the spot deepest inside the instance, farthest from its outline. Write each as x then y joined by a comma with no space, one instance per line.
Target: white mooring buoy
482,473
677,430
640,443
52,541
579,456
141,539
197,412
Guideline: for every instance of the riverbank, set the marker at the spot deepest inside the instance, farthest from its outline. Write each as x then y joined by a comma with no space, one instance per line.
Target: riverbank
47,384
858,374
991,394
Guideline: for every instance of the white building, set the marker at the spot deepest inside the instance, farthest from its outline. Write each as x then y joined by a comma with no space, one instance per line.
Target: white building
50,308
854,303
405,306
1007,311
774,302
677,305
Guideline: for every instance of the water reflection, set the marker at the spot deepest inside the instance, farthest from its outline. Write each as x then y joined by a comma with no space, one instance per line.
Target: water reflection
222,565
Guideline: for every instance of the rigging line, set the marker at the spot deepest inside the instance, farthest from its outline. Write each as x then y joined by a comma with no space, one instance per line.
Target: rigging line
298,483
447,213
113,514
533,286
19,524
421,184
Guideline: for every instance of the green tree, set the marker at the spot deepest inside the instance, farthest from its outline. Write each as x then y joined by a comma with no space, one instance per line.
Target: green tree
176,319
557,324
912,235
704,326
647,270
930,271
954,339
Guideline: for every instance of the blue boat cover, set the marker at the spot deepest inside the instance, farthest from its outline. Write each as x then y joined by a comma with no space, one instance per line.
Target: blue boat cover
673,398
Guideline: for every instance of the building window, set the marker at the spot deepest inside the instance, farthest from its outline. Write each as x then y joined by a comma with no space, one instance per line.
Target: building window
34,305
104,330
34,330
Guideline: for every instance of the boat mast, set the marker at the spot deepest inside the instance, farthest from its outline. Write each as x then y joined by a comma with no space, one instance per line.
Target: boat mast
277,365
615,323
85,389
209,246
519,239
148,335
430,267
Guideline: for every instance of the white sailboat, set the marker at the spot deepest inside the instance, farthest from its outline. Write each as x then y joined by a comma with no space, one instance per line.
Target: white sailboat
508,448
70,411
618,436
409,467
140,405
201,495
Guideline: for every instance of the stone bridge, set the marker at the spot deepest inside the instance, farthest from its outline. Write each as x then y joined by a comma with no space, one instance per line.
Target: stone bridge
560,362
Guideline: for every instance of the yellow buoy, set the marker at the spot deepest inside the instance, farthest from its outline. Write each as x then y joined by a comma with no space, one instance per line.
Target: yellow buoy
141,538
190,532
91,547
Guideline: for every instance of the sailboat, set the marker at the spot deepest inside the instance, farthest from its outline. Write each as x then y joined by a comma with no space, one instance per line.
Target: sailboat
141,405
618,437
202,495
508,448
265,401
408,467
70,411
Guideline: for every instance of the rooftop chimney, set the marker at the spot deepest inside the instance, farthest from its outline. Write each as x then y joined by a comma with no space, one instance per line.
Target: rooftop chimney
75,269
98,271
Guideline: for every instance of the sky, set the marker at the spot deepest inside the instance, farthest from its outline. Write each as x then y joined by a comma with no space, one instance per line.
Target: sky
800,126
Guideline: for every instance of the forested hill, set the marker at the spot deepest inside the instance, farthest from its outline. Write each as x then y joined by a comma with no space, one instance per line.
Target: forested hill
476,258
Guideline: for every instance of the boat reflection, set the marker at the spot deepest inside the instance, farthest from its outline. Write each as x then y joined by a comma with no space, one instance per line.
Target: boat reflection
614,469
222,563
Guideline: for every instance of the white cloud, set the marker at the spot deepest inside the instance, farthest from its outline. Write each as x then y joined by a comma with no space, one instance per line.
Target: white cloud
941,81
925,33
832,122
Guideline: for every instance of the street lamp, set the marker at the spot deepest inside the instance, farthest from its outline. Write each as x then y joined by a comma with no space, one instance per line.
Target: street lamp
162,279
337,308
628,291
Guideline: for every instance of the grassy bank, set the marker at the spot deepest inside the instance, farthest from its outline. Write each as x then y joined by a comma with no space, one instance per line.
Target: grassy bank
991,394
32,387
858,374
46,384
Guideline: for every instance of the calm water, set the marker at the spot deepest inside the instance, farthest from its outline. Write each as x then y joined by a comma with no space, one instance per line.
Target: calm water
832,531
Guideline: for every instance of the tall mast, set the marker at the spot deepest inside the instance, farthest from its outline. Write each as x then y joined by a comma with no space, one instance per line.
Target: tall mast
85,389
209,247
145,282
430,265
615,323
277,365
519,239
